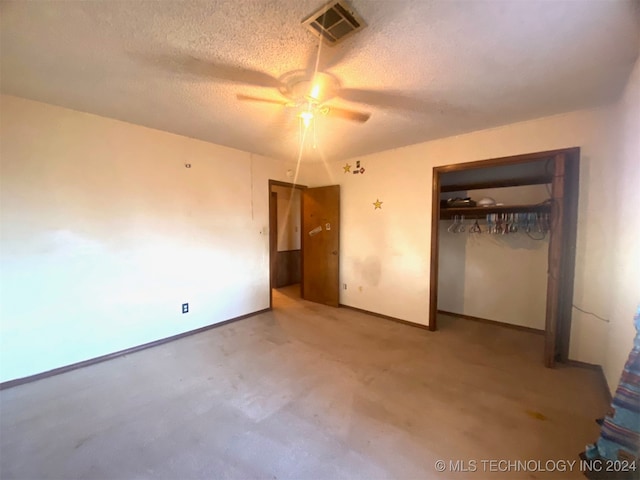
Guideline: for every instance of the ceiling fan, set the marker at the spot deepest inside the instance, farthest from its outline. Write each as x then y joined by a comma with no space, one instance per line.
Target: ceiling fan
308,90
309,94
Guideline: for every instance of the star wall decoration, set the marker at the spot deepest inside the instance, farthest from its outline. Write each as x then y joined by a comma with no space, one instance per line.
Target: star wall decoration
347,168
377,204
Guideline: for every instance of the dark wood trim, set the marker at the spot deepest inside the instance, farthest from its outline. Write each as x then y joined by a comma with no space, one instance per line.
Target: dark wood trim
435,250
386,317
292,250
601,375
570,232
273,240
287,268
533,180
127,351
302,241
496,162
536,331
590,366
278,183
554,270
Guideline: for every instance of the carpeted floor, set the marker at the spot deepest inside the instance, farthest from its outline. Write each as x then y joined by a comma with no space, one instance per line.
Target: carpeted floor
307,391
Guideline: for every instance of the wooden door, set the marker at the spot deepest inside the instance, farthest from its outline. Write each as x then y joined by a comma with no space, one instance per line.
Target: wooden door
321,244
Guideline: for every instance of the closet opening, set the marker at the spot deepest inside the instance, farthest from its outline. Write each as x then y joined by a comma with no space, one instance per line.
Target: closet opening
503,240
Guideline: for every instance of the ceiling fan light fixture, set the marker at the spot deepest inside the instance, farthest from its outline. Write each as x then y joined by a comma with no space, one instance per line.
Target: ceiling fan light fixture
299,86
306,117
315,91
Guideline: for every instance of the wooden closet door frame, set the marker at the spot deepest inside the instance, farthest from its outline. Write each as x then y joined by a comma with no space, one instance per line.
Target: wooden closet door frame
562,242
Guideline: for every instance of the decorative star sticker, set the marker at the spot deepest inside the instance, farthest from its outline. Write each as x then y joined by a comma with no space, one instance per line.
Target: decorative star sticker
347,168
377,204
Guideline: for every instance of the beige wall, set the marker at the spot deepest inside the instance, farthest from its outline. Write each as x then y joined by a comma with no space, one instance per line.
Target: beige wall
288,218
386,252
624,290
105,233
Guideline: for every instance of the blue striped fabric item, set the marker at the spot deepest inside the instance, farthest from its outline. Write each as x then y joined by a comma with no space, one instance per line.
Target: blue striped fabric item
620,433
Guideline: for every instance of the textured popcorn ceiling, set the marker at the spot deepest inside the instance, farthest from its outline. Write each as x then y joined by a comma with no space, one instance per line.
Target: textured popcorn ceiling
446,67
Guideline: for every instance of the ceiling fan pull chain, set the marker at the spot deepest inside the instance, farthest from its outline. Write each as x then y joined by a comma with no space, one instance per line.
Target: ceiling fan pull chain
315,138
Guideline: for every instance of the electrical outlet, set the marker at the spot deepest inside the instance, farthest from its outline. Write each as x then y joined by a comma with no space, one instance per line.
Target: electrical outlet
185,308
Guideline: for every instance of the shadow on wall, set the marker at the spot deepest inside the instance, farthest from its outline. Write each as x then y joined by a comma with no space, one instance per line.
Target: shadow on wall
368,270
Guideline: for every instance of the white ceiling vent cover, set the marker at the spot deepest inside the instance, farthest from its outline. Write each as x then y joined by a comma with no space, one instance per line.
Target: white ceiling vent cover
333,22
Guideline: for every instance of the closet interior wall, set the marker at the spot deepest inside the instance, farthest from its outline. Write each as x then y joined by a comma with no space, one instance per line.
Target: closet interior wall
498,277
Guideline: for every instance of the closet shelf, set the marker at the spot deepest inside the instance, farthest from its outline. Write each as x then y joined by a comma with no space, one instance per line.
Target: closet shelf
471,212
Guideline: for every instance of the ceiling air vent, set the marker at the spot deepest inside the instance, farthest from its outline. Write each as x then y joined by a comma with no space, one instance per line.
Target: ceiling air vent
333,22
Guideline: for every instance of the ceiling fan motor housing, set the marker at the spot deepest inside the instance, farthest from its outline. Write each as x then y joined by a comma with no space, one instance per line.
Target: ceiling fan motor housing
300,87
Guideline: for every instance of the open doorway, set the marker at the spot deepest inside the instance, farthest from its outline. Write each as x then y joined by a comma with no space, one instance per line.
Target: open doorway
285,239
304,248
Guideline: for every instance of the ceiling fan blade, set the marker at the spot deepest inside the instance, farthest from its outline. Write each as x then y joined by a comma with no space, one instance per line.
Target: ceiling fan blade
352,115
187,64
385,99
249,98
